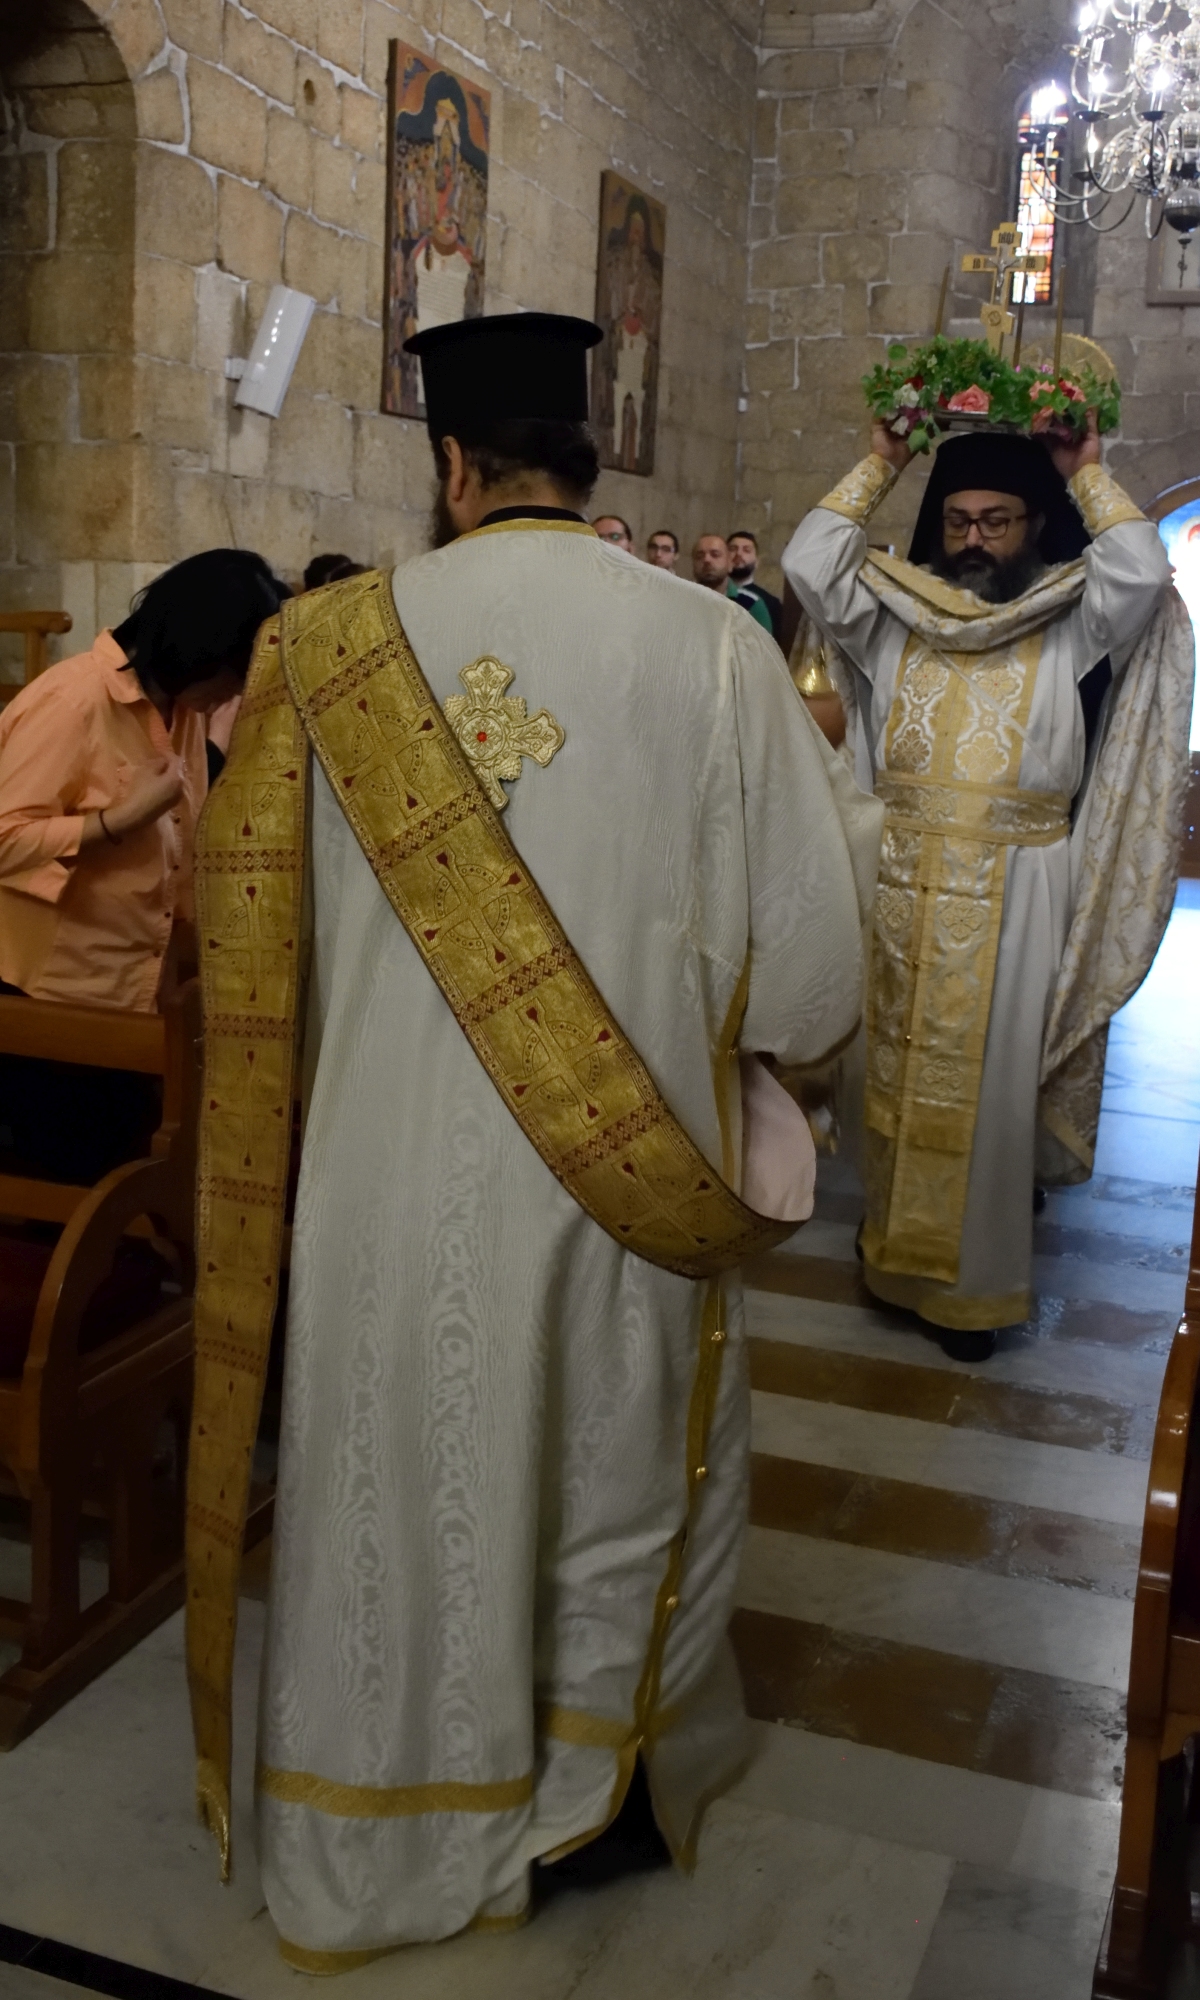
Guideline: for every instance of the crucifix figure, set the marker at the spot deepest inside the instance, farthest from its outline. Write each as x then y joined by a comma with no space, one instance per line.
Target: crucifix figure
1002,266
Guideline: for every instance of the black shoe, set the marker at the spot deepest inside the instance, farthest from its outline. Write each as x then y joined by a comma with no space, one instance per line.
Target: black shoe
1039,1201
630,1846
964,1346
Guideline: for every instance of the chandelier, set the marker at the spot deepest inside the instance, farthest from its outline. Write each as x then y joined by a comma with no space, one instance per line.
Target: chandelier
1135,82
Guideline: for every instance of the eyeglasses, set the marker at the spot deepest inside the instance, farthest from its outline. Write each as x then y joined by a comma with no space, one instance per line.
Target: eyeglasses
613,535
992,527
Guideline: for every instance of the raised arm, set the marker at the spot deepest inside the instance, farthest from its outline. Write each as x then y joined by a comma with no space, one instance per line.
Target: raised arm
824,556
1127,567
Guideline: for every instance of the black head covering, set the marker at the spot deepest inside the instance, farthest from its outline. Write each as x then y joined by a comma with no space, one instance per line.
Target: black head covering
998,462
480,371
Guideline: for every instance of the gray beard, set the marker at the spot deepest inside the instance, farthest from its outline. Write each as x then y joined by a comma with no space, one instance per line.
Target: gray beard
994,579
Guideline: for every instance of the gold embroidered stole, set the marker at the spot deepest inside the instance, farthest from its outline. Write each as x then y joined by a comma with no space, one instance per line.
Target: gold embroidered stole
337,668
952,756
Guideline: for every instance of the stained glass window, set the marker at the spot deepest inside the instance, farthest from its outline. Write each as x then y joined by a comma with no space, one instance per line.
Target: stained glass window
1040,130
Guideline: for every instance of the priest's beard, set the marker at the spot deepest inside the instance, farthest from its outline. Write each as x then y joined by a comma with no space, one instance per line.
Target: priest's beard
997,579
441,527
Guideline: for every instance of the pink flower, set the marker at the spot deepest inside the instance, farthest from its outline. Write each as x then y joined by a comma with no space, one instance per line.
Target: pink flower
973,402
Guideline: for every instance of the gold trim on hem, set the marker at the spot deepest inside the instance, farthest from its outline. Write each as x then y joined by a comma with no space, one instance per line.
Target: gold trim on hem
953,1310
326,1964
327,1795
581,1729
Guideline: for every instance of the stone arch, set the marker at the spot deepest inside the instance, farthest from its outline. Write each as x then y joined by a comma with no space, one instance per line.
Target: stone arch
68,138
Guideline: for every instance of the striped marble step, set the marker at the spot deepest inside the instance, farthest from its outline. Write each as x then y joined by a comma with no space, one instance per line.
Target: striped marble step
1130,1377
935,1395
961,1529
1096,1485
1007,1621
1116,1304
1039,1729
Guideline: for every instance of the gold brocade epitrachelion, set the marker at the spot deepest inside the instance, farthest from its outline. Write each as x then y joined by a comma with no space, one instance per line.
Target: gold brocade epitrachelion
336,669
952,756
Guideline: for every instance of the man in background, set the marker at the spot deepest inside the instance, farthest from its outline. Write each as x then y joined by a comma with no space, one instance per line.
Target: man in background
611,528
710,566
662,550
743,561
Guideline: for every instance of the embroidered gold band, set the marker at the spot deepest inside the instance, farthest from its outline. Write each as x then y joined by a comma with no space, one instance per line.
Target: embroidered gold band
1100,500
999,813
858,495
338,668
325,1795
329,1963
953,749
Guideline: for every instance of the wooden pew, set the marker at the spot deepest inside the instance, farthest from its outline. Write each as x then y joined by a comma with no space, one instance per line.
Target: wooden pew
108,1364
1150,1911
35,626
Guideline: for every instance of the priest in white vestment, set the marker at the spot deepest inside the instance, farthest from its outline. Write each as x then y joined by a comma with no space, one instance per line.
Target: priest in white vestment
963,668
492,1440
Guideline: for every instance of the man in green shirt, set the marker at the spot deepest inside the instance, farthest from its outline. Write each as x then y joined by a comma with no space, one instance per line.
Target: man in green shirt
710,566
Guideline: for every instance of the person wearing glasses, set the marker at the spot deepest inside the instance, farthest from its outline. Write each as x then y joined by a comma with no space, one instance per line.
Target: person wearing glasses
611,528
962,670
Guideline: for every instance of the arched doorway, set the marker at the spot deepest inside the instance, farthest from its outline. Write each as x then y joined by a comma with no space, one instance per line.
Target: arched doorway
1177,513
68,133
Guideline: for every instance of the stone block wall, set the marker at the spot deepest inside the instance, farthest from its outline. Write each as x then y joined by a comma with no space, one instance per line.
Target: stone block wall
1157,352
251,149
883,149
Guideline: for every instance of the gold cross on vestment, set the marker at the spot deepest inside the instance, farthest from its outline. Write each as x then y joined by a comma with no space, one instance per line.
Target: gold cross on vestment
494,730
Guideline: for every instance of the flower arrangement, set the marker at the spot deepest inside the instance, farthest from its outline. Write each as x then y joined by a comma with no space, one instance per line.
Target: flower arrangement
963,384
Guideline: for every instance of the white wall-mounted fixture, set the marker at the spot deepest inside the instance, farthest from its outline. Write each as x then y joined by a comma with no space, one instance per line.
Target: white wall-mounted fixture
264,376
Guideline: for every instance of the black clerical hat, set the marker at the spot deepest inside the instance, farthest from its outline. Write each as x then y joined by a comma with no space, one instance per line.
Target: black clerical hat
477,371
1000,462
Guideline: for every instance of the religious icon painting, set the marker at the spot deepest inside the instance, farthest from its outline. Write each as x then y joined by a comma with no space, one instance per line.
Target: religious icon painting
436,231
629,283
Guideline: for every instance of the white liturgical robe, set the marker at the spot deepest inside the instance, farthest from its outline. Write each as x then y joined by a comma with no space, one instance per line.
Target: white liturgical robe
1125,575
485,1445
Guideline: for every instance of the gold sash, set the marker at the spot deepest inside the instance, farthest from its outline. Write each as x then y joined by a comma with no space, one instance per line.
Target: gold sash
953,751
337,668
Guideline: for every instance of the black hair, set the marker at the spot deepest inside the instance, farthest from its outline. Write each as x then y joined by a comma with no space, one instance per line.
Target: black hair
670,534
502,449
200,615
744,535
331,569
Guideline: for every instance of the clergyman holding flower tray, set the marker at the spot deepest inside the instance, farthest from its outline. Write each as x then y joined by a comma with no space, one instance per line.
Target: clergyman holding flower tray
1018,693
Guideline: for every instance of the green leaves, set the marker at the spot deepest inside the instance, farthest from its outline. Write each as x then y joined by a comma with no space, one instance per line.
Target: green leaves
912,392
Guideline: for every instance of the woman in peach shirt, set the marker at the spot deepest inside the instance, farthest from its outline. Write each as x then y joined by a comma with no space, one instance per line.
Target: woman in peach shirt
102,775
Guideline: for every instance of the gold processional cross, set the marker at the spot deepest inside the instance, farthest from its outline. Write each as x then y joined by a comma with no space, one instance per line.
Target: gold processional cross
1002,266
494,730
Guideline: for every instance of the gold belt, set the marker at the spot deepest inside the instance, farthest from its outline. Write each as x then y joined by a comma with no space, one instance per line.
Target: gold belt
1003,815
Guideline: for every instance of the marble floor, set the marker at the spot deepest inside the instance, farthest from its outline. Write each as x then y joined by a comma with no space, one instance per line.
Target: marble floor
933,1631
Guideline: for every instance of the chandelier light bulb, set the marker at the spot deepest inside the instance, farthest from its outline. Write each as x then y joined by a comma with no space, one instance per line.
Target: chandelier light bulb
1135,81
